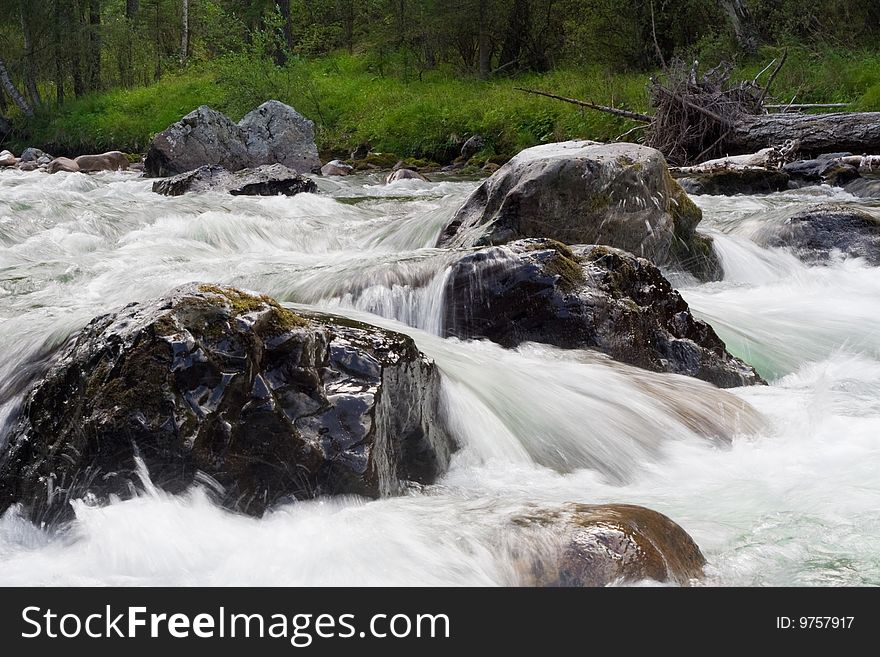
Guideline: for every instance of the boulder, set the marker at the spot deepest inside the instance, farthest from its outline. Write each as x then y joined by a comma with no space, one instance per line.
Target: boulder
109,161
581,192
602,545
44,160
7,159
31,154
728,181
62,164
814,234
204,136
585,297
268,180
269,405
473,146
28,166
864,187
336,168
822,170
273,133
403,174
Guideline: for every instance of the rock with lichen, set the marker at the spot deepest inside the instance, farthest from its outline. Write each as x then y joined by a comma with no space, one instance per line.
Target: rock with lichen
269,404
599,545
583,192
585,297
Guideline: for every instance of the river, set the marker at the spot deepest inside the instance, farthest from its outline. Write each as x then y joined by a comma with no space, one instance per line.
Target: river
794,500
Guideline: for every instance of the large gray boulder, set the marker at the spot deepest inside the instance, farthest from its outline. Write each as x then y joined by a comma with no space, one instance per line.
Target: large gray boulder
582,192
585,297
600,545
271,405
274,133
267,180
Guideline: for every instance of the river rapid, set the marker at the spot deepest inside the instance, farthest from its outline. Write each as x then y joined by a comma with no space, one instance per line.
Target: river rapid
794,500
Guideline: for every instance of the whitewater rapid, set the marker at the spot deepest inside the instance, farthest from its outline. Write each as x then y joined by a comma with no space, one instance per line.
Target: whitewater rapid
777,484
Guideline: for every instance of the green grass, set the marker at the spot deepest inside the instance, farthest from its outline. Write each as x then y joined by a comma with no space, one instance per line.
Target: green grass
411,115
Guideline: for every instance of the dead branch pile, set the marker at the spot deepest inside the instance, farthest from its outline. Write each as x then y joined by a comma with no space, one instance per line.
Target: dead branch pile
695,113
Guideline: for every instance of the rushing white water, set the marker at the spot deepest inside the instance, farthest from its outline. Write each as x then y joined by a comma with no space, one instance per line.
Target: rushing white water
777,484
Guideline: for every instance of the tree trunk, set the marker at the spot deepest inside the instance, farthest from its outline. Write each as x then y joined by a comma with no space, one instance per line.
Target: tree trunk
485,54
30,76
743,27
856,132
131,9
58,50
184,32
94,42
518,28
13,91
286,32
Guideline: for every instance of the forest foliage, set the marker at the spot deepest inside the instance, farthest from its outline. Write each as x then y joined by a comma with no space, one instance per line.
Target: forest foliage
404,75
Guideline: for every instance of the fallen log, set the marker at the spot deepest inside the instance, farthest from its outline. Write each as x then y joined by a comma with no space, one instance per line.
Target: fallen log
856,132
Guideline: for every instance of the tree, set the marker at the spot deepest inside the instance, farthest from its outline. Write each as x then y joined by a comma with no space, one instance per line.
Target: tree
13,91
184,32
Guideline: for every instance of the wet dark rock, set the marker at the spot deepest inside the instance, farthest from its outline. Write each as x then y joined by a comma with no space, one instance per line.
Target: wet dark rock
269,180
729,181
273,133
864,188
581,192
600,545
269,404
815,234
826,168
585,297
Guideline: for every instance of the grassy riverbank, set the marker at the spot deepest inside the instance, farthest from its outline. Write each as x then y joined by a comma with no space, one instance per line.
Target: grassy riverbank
407,113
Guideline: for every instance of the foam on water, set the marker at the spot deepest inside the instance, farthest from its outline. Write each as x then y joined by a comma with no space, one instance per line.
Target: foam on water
777,484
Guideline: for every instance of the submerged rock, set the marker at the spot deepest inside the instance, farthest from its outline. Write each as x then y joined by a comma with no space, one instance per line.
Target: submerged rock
815,234
864,187
600,545
728,181
403,174
270,180
835,169
582,192
585,297
269,404
273,133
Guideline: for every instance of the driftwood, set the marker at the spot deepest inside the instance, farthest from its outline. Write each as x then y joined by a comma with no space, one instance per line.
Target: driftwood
856,132
635,116
703,116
